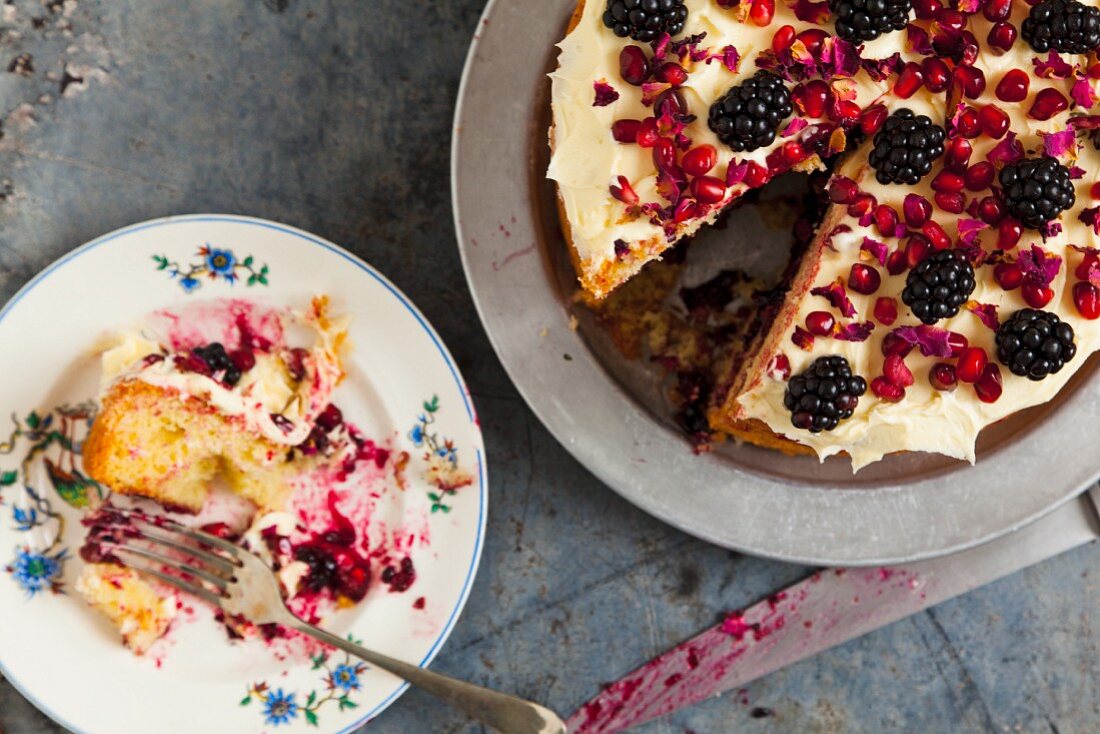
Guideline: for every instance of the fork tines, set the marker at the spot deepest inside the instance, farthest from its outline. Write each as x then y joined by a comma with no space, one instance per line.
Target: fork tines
186,559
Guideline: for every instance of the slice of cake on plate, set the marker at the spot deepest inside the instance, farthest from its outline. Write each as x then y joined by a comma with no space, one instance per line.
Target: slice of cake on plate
224,390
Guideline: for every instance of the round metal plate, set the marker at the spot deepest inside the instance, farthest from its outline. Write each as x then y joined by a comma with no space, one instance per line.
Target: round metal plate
609,413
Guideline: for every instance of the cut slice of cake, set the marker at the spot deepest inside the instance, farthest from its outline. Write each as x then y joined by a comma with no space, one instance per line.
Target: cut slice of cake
223,390
178,412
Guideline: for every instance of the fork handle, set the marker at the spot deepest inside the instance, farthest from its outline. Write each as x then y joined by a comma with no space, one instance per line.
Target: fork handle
506,714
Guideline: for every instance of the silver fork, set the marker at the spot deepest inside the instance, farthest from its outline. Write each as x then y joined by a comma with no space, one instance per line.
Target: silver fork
240,583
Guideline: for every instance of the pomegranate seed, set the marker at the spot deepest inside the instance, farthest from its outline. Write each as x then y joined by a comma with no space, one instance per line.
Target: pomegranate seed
664,155
192,362
862,204
894,344
1008,275
761,12
1086,297
957,343
813,39
990,210
820,323
951,18
995,10
886,219
952,203
1013,86
971,363
846,112
994,121
927,9
1048,103
968,123
670,102
1087,265
685,209
781,366
971,80
964,48
896,371
989,386
947,181
943,376
958,155
633,65
1009,232
887,390
625,131
672,73
699,160
916,209
864,279
936,235
1094,190
793,152
647,133
1093,71
886,310
936,74
1037,295
810,98
916,250
909,80
331,417
708,189
842,190
979,176
783,39
1001,36
624,192
243,359
896,262
872,118
756,176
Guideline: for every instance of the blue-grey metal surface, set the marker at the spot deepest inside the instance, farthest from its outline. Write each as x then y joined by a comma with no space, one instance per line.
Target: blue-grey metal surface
334,116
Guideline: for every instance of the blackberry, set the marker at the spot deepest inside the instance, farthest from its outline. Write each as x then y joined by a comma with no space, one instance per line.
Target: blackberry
865,20
1065,26
905,148
1037,190
824,395
218,359
1034,343
939,286
747,116
644,20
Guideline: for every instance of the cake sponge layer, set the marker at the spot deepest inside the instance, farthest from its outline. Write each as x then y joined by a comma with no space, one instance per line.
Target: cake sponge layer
158,443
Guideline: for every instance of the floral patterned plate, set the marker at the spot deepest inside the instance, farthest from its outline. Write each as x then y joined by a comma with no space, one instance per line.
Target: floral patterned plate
403,387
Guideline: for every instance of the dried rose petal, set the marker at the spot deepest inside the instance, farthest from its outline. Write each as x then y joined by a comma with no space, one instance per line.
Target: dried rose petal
986,313
605,94
932,340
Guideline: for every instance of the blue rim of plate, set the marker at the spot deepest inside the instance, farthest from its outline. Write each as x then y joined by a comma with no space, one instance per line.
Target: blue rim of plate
404,301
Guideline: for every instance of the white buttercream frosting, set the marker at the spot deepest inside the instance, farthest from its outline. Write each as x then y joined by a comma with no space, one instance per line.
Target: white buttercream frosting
263,392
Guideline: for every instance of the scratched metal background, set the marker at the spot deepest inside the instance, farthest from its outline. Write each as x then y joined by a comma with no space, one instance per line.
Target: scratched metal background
334,116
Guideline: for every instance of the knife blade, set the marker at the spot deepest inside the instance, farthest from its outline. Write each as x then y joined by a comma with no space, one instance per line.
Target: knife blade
830,607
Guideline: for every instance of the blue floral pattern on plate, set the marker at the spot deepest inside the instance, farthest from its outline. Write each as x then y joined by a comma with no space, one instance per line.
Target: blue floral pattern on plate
213,263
